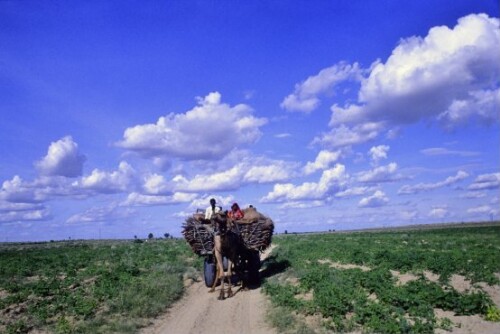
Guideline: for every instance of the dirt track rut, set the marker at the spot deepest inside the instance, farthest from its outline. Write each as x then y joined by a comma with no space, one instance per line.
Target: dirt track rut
200,312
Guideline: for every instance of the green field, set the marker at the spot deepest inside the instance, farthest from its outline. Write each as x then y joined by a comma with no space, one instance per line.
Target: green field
345,281
307,278
90,287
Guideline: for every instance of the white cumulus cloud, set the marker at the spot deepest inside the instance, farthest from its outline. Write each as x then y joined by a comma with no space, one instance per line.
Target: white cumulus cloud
108,182
12,212
473,194
354,191
8,206
378,153
486,182
376,200
420,187
19,191
112,212
137,199
305,97
63,159
324,160
436,151
209,131
387,173
330,181
450,76
482,209
249,170
343,135
481,105
277,171
25,215
439,212
230,179
409,214
424,77
302,205
156,184
203,202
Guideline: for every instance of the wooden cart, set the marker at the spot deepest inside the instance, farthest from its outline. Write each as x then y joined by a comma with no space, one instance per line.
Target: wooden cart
255,231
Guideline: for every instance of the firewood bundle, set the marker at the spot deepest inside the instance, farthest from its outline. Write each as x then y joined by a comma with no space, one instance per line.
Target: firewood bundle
256,234
199,236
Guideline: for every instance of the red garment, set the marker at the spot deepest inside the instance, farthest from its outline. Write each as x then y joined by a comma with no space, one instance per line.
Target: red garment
236,214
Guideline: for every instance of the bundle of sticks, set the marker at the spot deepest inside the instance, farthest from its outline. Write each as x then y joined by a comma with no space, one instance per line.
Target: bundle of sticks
256,234
199,236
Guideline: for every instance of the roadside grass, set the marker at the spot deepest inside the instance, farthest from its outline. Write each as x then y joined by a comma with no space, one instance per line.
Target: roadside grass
90,286
286,322
366,296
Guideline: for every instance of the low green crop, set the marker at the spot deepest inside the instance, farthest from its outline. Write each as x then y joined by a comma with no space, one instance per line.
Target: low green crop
89,286
369,297
493,314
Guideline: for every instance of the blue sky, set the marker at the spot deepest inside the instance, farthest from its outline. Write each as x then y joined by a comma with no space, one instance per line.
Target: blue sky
121,118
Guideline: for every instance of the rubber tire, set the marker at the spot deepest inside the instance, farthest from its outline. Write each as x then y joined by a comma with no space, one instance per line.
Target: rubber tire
209,272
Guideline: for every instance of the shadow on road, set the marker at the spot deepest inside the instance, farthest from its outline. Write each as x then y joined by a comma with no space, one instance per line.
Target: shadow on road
272,266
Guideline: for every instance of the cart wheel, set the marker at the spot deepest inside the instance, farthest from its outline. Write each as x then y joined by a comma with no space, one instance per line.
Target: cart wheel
209,272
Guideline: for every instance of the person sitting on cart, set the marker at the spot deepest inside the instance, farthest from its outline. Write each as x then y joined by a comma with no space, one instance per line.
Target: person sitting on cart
235,213
212,210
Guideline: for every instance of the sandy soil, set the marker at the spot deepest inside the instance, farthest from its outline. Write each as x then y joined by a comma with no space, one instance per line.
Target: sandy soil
461,324
200,312
472,324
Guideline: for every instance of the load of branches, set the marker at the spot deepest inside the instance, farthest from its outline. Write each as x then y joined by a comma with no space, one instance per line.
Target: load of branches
255,229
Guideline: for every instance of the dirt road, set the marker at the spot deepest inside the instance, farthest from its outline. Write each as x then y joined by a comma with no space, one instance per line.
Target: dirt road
201,312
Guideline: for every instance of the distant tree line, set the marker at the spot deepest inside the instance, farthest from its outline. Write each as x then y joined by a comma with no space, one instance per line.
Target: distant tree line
151,237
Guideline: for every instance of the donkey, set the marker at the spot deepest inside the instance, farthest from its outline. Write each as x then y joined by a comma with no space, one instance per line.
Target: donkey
229,244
